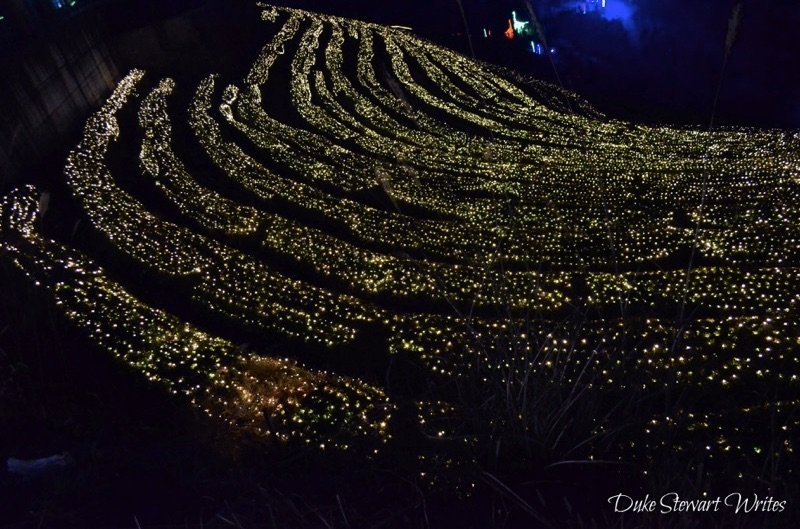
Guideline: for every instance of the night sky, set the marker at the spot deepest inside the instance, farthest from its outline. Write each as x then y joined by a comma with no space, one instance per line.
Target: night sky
648,60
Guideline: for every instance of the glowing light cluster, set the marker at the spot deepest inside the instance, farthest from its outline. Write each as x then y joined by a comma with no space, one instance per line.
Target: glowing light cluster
274,397
429,205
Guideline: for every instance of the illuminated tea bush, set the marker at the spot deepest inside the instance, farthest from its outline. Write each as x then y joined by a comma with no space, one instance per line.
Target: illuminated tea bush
406,200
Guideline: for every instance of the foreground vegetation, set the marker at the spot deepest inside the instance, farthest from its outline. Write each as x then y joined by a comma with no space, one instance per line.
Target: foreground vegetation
372,249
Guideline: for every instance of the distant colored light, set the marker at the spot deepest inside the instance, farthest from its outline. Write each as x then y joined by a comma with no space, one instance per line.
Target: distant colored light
510,31
519,25
485,33
552,51
619,10
604,4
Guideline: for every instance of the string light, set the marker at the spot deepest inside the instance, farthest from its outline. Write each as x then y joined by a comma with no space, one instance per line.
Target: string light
504,216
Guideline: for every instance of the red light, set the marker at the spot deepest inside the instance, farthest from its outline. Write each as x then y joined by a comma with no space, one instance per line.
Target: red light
510,31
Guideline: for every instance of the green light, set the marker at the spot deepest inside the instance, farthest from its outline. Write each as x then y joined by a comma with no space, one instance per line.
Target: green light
519,25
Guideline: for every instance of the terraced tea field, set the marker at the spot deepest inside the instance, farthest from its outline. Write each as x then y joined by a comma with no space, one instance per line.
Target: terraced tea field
371,238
